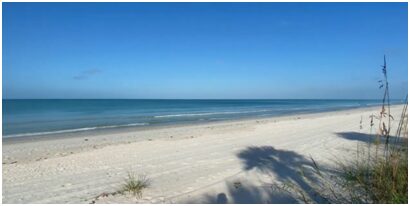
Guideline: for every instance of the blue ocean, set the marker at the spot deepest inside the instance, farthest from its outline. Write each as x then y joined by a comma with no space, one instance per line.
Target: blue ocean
41,117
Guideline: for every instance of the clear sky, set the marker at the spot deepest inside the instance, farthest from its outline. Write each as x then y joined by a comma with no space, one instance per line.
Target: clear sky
203,50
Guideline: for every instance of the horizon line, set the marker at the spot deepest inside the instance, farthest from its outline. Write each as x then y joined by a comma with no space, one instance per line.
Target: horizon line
194,99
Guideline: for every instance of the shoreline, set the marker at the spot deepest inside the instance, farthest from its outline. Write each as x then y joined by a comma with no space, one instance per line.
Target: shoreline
20,128
119,130
51,146
187,164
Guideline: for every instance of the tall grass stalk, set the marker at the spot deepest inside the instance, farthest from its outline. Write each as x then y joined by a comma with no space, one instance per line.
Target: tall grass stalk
382,179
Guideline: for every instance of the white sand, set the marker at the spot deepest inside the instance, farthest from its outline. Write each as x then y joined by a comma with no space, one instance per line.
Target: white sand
186,164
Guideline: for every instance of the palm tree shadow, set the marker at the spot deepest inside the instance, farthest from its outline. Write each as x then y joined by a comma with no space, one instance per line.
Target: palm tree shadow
269,159
282,165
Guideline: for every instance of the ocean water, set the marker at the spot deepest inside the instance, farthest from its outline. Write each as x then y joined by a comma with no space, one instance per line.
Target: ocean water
41,117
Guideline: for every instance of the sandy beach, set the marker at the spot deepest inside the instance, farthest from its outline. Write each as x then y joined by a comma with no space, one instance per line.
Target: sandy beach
224,162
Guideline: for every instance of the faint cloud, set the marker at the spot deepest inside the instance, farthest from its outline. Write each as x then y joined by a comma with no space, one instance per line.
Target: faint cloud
220,62
87,74
284,23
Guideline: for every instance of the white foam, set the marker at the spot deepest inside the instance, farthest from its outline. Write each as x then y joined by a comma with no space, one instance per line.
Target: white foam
205,114
73,130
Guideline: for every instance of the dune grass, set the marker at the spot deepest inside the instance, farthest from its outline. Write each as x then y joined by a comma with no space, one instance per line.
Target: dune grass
382,177
380,181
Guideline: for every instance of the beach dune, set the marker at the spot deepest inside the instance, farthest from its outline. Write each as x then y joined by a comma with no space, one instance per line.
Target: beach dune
224,162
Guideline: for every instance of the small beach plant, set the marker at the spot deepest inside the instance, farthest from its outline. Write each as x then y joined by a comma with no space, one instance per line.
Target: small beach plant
135,184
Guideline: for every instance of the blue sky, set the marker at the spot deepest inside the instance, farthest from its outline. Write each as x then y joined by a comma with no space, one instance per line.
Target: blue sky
203,50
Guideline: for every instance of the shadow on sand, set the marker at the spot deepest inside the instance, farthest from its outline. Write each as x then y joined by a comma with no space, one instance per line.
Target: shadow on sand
282,165
367,138
247,193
